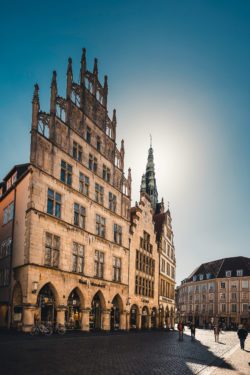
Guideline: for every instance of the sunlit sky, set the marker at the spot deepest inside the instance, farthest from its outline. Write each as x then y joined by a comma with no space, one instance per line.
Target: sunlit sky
178,70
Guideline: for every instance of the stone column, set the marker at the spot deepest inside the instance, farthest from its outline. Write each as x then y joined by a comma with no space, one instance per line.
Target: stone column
60,315
123,322
138,321
149,321
172,321
28,317
128,321
106,320
84,319
157,319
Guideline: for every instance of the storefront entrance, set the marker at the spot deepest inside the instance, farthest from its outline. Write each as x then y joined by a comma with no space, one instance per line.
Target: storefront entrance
73,314
115,315
133,317
144,318
153,318
95,314
46,303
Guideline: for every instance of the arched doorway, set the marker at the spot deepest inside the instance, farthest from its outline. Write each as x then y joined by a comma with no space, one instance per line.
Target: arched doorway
47,303
115,312
153,318
167,319
73,314
133,317
144,318
17,309
95,316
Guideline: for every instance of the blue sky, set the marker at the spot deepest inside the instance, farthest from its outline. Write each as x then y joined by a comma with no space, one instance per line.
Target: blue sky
178,70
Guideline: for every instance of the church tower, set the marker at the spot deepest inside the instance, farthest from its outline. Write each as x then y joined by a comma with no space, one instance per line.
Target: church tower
148,182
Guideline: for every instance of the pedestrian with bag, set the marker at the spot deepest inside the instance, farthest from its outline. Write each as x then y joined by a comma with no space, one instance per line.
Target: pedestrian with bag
242,334
181,329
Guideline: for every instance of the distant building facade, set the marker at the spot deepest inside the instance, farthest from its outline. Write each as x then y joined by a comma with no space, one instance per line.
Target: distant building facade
217,291
72,251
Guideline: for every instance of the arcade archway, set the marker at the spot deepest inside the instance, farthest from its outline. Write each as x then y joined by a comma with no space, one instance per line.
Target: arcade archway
134,312
153,317
46,301
144,318
73,312
115,312
95,316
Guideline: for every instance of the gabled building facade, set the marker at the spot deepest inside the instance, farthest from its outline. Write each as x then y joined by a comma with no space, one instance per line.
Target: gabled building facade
72,251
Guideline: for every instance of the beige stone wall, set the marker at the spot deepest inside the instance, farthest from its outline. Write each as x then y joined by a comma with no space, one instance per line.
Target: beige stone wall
143,222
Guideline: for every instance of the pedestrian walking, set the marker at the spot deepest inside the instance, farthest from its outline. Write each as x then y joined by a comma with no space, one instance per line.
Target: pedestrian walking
216,333
181,329
192,331
242,334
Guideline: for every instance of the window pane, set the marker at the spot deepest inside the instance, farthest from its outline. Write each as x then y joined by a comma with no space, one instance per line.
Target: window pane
76,206
74,262
11,211
50,207
58,197
50,193
58,210
48,239
76,218
63,164
47,256
56,242
75,246
80,265
55,258
81,250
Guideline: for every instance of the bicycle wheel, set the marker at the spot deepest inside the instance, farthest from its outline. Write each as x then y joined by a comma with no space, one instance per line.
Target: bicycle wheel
34,331
61,330
48,331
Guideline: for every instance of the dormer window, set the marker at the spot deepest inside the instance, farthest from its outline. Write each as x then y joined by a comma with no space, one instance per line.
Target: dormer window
14,177
201,277
194,278
208,276
239,272
8,184
228,273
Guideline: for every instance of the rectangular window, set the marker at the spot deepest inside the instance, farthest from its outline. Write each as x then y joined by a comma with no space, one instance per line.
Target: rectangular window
204,287
223,307
99,264
201,277
233,296
5,215
233,308
106,173
98,143
112,202
78,256
116,276
222,285
52,248
168,269
228,273
190,288
11,211
83,184
77,151
66,173
245,307
163,265
197,288
100,226
211,286
88,135
244,283
79,215
222,295
98,194
92,163
233,284
117,234
54,203
239,272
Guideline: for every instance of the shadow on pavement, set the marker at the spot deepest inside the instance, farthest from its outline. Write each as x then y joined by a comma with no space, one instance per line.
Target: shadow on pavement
135,353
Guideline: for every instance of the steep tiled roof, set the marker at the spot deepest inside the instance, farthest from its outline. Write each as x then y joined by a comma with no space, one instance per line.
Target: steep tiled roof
219,267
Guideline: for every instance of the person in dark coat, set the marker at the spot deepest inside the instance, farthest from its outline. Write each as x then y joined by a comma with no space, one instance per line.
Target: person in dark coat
242,334
192,331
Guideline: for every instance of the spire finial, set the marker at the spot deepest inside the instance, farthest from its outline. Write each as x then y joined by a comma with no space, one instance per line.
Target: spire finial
95,70
150,140
36,95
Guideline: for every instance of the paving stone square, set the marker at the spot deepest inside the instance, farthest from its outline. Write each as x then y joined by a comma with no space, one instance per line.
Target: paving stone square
135,353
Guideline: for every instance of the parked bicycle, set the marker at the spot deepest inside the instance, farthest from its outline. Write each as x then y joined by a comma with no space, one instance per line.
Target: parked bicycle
60,329
41,328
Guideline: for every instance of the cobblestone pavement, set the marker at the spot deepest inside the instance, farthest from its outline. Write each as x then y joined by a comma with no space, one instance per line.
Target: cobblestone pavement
238,359
133,353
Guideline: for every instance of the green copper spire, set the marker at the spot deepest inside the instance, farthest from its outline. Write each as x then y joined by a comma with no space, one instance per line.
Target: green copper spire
148,183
